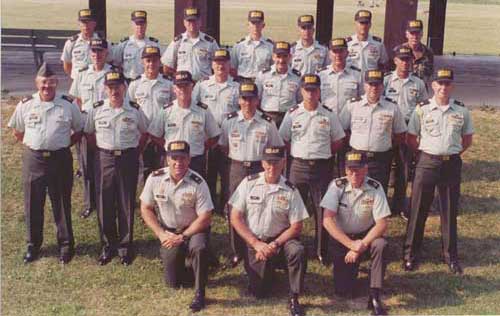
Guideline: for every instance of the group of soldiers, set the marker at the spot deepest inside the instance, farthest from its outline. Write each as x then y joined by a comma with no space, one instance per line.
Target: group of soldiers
281,125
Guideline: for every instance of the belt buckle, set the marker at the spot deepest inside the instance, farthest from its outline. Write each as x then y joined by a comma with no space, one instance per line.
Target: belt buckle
46,154
247,164
445,157
311,162
370,154
117,152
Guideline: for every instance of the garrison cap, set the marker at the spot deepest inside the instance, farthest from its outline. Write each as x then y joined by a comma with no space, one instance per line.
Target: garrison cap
414,25
403,52
183,77
338,43
98,44
363,16
281,47
45,71
114,77
305,20
443,75
178,148
191,13
310,81
273,153
248,89
355,159
255,16
85,15
374,76
150,51
221,54
139,16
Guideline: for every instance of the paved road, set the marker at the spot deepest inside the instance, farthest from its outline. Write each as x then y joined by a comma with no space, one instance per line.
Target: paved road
477,77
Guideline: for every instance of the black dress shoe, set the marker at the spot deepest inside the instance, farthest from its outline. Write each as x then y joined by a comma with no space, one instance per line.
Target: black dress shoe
86,213
126,260
31,254
295,307
66,257
455,267
409,265
234,261
105,257
198,302
375,305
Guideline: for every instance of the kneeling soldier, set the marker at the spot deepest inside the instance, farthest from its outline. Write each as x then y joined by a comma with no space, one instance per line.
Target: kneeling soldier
268,213
183,223
355,216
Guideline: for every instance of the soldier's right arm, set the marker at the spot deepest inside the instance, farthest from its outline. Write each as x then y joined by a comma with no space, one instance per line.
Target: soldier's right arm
148,212
156,128
223,141
234,61
169,58
16,122
414,129
66,57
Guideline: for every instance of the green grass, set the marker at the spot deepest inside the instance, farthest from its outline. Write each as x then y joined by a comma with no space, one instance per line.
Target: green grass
84,288
471,25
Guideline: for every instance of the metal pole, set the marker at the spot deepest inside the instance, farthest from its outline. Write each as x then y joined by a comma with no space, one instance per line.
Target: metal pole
99,9
324,20
435,34
397,13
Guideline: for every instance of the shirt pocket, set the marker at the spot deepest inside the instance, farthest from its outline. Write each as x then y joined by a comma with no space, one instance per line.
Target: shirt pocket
163,96
33,120
456,122
359,124
383,122
281,204
298,130
431,126
235,138
322,128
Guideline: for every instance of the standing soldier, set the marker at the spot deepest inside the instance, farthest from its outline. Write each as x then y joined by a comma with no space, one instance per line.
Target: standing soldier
268,213
366,51
252,53
44,123
76,50
118,128
128,52
190,51
423,57
407,90
244,136
356,212
188,120
308,56
374,124
88,88
279,85
152,91
183,221
313,134
442,130
220,93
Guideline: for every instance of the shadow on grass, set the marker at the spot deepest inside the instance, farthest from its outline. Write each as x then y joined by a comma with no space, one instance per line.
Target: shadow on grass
470,204
481,170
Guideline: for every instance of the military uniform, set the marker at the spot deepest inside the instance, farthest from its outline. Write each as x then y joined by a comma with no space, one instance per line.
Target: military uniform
337,88
309,59
367,54
440,129
47,165
128,52
249,57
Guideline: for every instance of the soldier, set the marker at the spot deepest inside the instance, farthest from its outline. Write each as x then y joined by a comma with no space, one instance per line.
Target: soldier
444,129
406,90
182,223
190,51
76,50
188,120
88,88
252,53
152,91
313,134
244,135
356,212
366,51
220,93
374,124
423,57
279,85
308,56
128,53
118,129
268,213
44,123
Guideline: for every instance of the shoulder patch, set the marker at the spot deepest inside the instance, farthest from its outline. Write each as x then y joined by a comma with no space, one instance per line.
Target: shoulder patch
232,115
83,69
348,38
98,104
209,38
177,38
459,103
158,172
266,117
202,105
26,98
376,38
291,185
195,178
253,176
73,38
126,38
68,98
269,40
354,68
373,183
166,106
293,108
295,71
327,108
355,99
135,105
153,39
390,100
341,182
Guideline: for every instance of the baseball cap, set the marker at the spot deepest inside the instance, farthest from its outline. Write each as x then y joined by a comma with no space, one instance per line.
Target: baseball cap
374,76
85,15
355,159
443,75
183,77
191,13
113,77
363,16
310,81
248,89
178,148
255,16
273,153
150,51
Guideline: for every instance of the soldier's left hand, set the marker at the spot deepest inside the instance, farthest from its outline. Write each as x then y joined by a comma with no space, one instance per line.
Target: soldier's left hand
351,257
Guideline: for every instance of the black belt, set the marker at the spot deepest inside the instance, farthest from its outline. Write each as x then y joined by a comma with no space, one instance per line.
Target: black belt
241,79
117,152
373,155
442,157
312,162
174,230
247,164
49,153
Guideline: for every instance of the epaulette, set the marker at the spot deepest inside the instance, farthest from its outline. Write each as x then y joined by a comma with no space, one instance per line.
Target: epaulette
390,100
321,69
348,38
134,79
158,172
241,40
269,40
295,71
355,99
291,185
459,103
177,38
202,105
124,39
293,108
267,69
98,104
153,39
26,98
376,38
166,106
266,117
327,108
293,44
232,115
253,176
209,38
67,98
340,182
354,68
196,179
389,73
73,38
134,105
423,103
168,77
373,183
83,69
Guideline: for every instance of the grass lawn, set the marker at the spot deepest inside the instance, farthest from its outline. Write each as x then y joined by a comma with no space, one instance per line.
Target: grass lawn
84,288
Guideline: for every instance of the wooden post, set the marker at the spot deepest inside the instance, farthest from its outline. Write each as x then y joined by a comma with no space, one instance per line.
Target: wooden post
324,20
435,34
99,9
397,13
209,16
